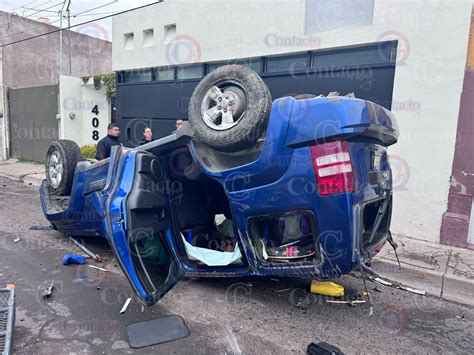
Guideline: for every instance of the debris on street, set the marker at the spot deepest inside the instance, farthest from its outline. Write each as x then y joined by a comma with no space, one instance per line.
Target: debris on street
237,328
73,259
382,281
40,227
85,250
326,288
125,306
284,290
98,268
349,302
412,290
157,331
47,289
323,348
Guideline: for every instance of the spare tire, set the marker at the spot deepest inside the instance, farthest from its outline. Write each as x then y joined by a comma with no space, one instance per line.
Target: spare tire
61,160
230,108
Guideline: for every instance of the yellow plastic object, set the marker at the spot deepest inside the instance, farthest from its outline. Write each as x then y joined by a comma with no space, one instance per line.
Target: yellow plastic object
327,288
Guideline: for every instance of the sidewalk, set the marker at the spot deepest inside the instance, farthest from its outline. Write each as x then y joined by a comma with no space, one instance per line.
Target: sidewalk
442,271
27,173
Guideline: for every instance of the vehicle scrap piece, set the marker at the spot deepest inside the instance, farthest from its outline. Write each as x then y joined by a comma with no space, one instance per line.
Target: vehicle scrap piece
85,250
40,227
412,290
125,306
374,277
323,348
47,289
98,268
349,302
326,288
157,331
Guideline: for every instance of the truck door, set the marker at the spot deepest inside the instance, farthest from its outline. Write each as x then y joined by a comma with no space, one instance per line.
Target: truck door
138,226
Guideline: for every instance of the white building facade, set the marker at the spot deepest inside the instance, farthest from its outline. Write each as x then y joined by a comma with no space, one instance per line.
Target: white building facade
430,69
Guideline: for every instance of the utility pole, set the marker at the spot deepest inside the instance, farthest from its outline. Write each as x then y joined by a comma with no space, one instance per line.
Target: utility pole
69,34
61,12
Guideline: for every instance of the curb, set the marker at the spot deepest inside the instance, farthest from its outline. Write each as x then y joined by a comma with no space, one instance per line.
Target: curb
30,180
10,177
441,284
34,179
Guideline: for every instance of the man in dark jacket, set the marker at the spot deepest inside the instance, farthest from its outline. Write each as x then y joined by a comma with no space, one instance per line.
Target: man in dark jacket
105,144
178,124
147,136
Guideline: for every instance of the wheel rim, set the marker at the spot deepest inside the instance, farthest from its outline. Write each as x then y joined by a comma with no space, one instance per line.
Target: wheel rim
55,169
223,106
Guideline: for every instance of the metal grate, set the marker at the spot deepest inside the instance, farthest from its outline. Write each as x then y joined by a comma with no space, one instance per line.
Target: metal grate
2,344
7,320
4,297
3,321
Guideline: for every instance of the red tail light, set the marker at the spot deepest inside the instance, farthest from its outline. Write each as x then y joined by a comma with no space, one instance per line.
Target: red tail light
333,168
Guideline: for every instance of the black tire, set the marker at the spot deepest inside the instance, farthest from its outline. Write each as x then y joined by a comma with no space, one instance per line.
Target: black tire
254,103
68,154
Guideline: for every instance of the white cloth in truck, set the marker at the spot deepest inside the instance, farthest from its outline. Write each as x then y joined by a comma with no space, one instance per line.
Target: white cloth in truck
212,257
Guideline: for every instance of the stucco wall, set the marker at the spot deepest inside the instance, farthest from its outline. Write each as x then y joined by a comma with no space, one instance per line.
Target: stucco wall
79,99
37,62
432,35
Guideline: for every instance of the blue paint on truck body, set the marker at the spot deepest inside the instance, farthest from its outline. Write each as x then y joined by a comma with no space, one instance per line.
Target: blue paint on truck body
281,179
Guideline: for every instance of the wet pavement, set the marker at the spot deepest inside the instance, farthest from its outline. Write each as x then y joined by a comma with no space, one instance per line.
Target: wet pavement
251,315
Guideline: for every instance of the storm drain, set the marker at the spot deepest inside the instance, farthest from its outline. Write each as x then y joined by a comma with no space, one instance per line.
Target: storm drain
7,320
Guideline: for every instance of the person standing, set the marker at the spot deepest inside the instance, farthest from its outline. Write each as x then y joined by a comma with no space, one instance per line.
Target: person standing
105,144
178,124
147,136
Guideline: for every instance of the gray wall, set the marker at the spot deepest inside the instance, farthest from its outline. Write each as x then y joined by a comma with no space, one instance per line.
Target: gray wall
37,62
33,124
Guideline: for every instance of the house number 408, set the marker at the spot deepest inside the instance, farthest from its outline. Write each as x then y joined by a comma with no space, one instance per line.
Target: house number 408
95,123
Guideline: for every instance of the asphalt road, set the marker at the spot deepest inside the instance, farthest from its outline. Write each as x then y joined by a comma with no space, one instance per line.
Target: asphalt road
264,316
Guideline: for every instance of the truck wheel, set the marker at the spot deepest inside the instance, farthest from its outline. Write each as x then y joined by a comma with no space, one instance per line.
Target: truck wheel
61,160
230,108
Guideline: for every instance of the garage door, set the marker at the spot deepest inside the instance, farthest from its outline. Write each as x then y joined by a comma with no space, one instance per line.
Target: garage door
33,123
156,97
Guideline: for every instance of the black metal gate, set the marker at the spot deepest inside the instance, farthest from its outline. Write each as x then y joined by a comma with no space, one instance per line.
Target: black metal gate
156,97
33,124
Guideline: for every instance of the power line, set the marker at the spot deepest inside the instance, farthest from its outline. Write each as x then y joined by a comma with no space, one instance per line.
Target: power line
51,23
21,7
45,10
94,14
37,11
42,4
80,24
21,17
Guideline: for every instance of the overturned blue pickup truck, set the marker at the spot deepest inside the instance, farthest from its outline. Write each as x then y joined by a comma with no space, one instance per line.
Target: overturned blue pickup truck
295,187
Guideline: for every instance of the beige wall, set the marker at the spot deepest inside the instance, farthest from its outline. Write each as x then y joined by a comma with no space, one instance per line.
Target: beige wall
433,37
